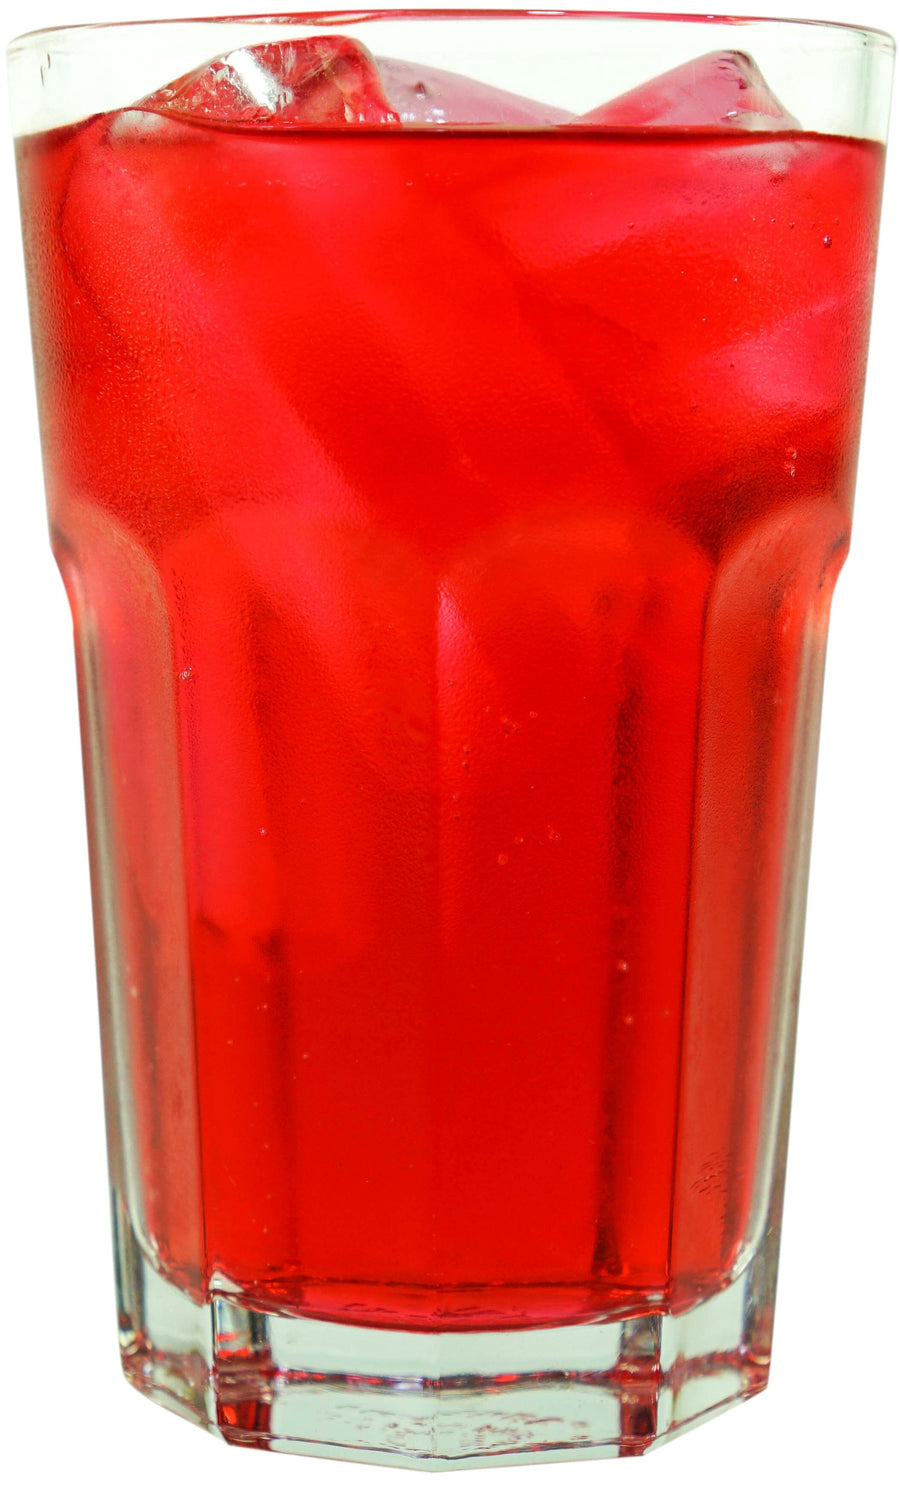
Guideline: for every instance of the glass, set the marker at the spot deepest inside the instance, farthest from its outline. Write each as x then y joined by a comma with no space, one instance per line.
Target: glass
449,487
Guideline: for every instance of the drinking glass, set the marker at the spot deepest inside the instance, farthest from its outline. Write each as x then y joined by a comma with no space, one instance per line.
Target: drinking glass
449,424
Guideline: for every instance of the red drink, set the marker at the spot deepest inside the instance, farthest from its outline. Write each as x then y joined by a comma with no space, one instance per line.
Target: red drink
450,488
450,523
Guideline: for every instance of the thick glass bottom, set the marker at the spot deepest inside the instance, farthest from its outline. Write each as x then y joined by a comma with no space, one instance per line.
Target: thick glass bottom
441,1401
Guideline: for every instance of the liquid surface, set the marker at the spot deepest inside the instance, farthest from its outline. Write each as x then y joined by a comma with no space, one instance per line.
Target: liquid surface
449,522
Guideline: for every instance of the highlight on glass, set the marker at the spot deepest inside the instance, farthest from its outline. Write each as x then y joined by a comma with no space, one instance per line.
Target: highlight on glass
450,424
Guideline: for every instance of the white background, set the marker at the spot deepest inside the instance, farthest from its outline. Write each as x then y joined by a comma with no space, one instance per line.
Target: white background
833,1392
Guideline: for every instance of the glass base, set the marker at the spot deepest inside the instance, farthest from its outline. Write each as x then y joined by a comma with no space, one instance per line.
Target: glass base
445,1401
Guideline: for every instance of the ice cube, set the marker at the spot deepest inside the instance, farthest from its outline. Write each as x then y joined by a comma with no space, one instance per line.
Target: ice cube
720,88
324,80
427,95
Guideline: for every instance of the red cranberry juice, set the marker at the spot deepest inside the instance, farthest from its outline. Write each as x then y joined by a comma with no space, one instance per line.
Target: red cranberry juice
450,522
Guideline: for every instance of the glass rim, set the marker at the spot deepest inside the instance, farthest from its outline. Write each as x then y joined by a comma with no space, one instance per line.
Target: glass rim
329,18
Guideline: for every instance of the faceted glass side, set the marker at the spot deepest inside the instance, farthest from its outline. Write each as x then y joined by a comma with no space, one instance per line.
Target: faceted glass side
436,1400
442,1401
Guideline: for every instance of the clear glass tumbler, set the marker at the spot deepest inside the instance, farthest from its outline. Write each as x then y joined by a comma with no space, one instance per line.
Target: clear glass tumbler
450,425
